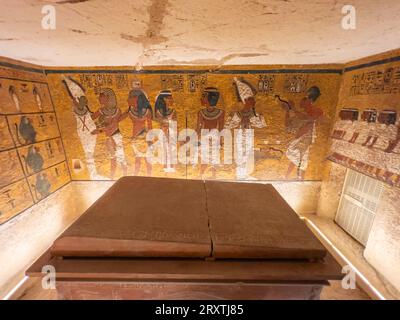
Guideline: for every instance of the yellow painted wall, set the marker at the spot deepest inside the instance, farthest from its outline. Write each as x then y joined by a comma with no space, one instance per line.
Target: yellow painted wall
271,142
56,129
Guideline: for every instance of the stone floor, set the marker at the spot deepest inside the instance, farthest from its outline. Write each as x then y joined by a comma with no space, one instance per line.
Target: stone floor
48,219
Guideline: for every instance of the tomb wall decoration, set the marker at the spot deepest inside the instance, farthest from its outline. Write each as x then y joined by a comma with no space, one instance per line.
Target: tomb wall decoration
284,150
32,157
365,138
366,133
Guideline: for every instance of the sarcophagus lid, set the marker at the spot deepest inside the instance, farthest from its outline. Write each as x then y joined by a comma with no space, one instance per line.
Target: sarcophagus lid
142,217
251,220
172,218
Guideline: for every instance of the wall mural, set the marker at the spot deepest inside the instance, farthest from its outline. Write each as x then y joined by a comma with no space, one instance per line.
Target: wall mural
32,157
366,136
368,141
108,118
104,120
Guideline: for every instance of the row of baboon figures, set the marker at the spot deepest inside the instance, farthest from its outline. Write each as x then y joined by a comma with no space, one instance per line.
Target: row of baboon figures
299,121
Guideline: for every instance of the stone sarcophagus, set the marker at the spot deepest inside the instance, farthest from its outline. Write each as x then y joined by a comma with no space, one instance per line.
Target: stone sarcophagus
157,238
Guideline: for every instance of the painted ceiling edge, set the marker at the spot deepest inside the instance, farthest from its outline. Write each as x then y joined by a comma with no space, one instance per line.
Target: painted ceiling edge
233,69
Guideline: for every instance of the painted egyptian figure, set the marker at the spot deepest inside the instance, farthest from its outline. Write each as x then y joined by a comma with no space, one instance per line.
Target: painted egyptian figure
246,118
302,124
210,118
141,116
388,131
371,131
382,131
108,118
33,159
13,95
166,116
364,127
25,130
345,126
42,186
85,125
394,143
38,99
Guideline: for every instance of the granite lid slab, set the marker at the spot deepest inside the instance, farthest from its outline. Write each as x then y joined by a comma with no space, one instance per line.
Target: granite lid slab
164,218
142,217
251,220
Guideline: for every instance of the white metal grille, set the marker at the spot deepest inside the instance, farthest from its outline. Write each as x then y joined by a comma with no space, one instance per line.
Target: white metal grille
358,205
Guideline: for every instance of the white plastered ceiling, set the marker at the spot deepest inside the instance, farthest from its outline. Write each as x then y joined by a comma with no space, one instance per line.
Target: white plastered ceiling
196,32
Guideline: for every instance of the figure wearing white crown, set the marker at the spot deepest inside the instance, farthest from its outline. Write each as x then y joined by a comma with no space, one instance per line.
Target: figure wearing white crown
84,124
246,118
